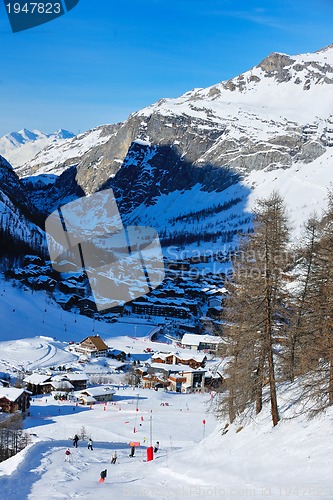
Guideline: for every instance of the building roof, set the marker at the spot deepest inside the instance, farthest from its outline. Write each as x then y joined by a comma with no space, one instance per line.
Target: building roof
60,384
195,339
97,342
186,356
36,379
75,377
176,368
88,399
100,390
162,355
11,393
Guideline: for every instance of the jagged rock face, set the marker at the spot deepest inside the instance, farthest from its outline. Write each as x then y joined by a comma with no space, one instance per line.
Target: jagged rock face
150,171
281,67
14,190
18,216
276,65
191,137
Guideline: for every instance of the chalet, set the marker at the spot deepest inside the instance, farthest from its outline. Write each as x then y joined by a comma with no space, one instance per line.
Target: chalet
34,383
188,380
92,346
101,393
13,399
58,384
154,381
196,342
162,357
78,380
192,360
181,378
117,354
44,384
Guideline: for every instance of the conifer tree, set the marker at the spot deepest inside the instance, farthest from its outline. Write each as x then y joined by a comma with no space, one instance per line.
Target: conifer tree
255,312
317,338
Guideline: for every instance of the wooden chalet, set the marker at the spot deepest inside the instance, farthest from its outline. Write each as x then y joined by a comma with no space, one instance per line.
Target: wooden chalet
13,399
93,347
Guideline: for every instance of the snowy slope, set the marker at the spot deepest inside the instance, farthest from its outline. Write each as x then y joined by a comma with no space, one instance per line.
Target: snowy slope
36,331
29,314
20,147
294,88
293,460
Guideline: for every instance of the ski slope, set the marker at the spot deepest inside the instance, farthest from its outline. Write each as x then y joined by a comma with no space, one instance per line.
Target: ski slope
36,332
293,460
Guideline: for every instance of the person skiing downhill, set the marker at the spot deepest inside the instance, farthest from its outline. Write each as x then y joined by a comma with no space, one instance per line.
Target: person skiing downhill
90,445
114,457
156,447
67,455
103,475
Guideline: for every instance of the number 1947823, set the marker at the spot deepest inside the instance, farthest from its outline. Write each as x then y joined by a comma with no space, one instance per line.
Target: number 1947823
33,8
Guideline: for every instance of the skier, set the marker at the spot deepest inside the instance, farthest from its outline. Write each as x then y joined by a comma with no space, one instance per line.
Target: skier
67,455
131,455
90,444
103,475
75,440
156,447
114,457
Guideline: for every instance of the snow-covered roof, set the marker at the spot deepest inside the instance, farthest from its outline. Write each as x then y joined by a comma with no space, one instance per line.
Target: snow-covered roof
176,368
100,390
11,393
88,399
179,355
187,356
195,339
59,378
36,379
76,376
162,355
61,384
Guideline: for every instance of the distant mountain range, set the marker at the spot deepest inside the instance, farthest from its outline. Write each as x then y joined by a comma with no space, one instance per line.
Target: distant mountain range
20,147
192,167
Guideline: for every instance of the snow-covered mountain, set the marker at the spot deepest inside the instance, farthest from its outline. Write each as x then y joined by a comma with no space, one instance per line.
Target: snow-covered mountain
193,166
20,147
19,219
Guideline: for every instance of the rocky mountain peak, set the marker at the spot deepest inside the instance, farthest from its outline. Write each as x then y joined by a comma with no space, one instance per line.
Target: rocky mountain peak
275,63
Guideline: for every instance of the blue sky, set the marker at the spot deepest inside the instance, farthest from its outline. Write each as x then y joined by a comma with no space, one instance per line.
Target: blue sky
106,58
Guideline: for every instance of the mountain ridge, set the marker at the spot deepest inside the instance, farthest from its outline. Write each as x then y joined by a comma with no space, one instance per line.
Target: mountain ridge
21,146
